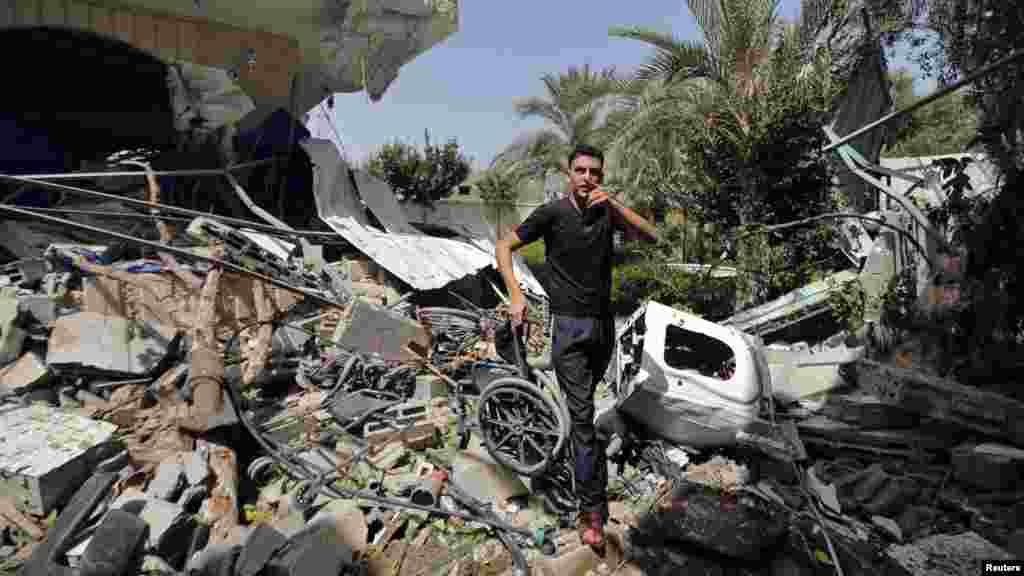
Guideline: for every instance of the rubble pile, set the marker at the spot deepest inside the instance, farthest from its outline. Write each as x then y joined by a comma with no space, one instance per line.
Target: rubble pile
226,405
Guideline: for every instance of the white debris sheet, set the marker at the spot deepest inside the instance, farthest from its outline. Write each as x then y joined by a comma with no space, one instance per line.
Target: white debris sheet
424,262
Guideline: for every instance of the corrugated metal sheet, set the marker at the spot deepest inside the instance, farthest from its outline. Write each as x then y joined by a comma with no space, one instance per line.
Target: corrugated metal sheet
424,262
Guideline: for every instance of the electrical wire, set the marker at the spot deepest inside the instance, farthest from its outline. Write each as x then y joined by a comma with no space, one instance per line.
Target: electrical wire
298,468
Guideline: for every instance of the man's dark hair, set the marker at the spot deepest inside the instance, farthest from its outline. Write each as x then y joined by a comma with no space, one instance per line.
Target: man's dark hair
585,150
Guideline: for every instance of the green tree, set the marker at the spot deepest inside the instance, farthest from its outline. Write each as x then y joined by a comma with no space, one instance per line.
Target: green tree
945,126
423,176
574,108
500,184
741,112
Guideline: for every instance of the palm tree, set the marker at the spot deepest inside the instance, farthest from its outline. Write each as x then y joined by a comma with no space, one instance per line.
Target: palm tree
702,112
574,108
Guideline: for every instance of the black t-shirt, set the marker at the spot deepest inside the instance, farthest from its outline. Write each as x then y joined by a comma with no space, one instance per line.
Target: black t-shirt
578,255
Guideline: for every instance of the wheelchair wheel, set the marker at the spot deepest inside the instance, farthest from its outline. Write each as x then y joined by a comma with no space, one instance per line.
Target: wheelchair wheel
522,427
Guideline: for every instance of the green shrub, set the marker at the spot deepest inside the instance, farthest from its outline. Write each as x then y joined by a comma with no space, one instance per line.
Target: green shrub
636,282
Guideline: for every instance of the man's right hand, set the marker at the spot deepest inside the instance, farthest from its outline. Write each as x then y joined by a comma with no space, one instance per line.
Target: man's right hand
517,310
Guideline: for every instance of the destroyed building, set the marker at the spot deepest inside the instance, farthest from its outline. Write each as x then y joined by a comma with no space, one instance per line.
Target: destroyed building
232,382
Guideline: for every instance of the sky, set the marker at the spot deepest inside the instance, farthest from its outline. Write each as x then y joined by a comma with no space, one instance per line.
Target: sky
467,86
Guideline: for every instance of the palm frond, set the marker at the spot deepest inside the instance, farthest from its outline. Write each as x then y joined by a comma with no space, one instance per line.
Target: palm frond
708,14
673,58
539,108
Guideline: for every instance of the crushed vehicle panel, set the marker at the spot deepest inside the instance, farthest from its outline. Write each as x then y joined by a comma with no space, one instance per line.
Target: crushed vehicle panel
688,380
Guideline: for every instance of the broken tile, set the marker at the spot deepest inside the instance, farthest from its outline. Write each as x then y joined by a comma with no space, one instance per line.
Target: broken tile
43,454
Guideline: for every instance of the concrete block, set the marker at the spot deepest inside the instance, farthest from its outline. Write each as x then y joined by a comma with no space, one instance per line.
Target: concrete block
46,454
168,482
988,466
484,479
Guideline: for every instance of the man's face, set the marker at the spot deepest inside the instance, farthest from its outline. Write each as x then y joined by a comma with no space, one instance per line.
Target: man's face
585,175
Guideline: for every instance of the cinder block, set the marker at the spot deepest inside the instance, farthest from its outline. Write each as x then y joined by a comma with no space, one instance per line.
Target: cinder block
46,454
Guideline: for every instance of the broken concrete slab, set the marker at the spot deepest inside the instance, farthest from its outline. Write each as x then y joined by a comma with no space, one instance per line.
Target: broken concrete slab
260,545
12,336
908,443
45,454
168,482
947,555
972,408
484,479
988,466
25,372
868,412
116,547
105,343
372,329
311,551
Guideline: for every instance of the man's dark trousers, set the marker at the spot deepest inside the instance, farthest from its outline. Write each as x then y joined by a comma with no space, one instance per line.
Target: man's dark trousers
580,351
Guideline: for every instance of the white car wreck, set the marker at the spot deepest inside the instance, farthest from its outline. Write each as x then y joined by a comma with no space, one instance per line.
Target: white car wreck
686,380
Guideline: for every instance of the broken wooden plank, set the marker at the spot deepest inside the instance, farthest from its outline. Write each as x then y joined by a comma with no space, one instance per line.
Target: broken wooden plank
946,400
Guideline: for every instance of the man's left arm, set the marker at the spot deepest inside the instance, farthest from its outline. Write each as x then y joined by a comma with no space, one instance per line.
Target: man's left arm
635,226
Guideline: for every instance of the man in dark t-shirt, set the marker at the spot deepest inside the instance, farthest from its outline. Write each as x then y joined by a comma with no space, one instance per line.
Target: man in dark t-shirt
577,230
